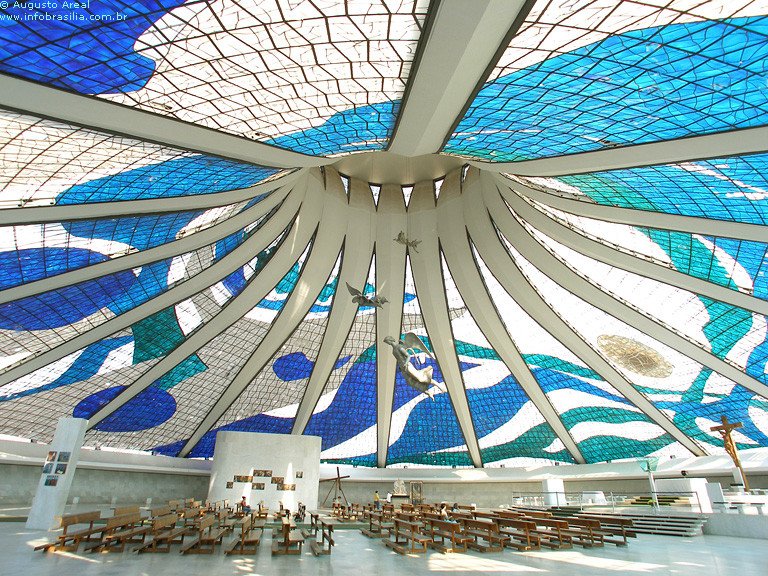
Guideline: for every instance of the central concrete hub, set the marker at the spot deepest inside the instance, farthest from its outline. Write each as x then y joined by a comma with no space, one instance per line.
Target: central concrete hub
389,168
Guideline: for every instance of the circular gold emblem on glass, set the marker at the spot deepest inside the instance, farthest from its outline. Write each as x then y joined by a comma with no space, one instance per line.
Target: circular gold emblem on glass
634,356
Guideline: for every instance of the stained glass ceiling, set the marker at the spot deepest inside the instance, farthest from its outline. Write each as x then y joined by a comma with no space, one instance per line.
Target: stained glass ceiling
583,256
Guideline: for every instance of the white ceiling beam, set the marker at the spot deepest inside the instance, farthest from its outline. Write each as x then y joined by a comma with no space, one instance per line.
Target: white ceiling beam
332,211
609,255
137,259
458,255
355,263
462,40
260,285
732,143
648,218
390,279
92,211
215,272
430,290
504,268
92,112
561,274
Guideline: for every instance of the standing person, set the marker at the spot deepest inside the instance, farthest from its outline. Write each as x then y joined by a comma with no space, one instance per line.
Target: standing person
376,500
389,497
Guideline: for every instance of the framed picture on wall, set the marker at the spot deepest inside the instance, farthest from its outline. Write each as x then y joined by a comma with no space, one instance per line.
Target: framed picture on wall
278,480
48,468
267,473
51,456
230,484
64,456
257,486
299,474
61,468
51,481
290,487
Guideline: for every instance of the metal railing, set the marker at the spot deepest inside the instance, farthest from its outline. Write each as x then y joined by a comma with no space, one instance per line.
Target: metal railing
610,501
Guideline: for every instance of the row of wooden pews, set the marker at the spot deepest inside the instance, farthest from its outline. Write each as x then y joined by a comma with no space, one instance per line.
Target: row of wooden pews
197,527
415,529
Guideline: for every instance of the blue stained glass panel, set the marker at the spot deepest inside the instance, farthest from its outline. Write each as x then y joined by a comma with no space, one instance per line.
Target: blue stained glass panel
733,189
185,176
640,86
89,49
30,264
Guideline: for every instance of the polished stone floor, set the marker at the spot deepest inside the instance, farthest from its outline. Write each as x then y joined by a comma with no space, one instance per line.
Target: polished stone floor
355,555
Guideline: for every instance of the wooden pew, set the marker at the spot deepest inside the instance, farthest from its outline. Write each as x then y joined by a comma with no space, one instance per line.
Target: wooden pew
441,530
377,524
322,547
478,515
533,513
247,541
118,531
553,533
411,516
75,531
287,540
164,532
159,511
314,526
207,537
522,533
485,535
190,516
613,526
459,515
585,532
123,510
407,538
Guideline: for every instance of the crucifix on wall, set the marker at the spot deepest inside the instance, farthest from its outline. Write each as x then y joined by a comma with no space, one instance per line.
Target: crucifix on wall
730,446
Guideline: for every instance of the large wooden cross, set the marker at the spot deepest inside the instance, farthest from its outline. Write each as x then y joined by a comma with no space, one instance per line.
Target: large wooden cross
725,430
336,487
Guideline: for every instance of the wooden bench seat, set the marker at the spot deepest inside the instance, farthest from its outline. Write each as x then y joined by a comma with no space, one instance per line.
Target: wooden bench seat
521,533
407,537
613,526
379,526
287,540
119,531
322,547
248,538
76,528
207,537
552,533
164,533
485,535
585,532
446,536
314,526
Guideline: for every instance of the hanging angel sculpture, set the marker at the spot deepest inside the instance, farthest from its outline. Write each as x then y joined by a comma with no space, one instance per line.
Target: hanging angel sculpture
361,300
403,239
417,378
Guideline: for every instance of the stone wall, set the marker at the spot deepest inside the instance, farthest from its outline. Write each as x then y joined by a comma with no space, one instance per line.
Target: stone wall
19,482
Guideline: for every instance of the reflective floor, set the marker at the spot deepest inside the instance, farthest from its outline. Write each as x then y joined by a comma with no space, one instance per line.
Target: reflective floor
356,555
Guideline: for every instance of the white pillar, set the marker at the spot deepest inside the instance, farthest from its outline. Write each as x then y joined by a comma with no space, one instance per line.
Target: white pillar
239,458
554,492
738,481
58,472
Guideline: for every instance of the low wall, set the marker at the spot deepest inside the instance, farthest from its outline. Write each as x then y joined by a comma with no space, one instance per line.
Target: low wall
101,486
